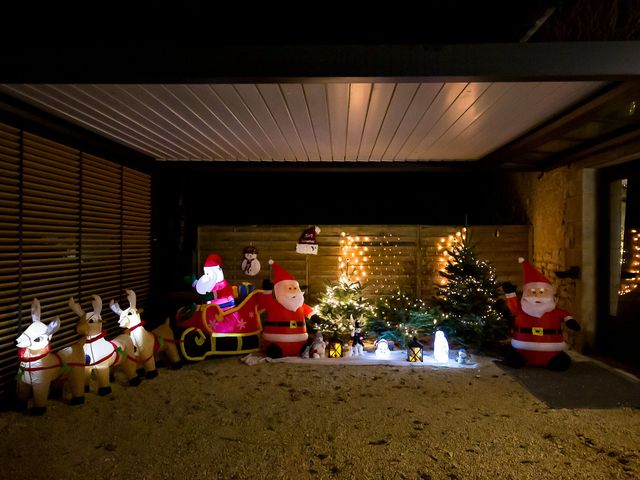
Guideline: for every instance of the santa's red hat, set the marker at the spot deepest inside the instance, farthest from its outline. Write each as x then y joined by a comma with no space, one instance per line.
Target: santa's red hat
279,273
213,260
531,275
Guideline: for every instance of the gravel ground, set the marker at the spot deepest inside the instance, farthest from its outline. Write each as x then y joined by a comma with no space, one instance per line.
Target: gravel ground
223,419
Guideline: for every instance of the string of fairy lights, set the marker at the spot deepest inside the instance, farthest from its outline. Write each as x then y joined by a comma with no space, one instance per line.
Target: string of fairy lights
443,247
627,285
371,261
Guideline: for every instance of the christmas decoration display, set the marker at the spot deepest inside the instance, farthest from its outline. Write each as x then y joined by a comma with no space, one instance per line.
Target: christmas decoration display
470,308
343,300
537,332
463,357
401,316
415,351
335,347
250,263
213,286
208,330
147,344
384,259
318,346
100,354
357,339
630,263
382,349
441,347
39,366
307,243
284,330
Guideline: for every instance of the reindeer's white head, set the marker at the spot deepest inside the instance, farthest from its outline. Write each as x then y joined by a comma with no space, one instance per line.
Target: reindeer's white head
90,323
129,317
37,335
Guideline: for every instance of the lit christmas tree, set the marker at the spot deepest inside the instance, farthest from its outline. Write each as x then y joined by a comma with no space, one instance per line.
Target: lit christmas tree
400,317
343,302
471,309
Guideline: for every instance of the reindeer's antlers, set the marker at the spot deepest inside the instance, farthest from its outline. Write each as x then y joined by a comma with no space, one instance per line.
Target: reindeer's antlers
115,307
131,296
35,310
77,309
96,303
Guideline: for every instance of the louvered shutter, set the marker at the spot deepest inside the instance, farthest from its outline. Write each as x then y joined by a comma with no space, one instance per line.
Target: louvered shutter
51,232
101,235
9,250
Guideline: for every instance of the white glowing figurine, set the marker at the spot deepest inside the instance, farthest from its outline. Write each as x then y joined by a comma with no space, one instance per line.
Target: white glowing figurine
145,341
318,346
39,366
250,264
101,354
441,348
382,349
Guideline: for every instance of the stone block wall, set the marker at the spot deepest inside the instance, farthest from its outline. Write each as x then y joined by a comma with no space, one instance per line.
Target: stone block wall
553,202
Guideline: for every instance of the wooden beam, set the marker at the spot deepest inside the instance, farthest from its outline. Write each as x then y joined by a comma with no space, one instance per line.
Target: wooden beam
198,63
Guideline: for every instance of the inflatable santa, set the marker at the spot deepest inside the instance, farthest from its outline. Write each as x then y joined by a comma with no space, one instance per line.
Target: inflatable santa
537,332
212,284
284,332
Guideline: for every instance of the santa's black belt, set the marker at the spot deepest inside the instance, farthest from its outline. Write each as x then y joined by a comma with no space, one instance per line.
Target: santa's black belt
539,331
291,324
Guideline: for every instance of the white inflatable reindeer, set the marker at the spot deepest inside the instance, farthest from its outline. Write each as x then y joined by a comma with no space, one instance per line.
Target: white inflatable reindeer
39,366
147,344
101,354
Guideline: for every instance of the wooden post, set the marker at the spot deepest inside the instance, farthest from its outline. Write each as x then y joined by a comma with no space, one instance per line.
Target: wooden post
418,264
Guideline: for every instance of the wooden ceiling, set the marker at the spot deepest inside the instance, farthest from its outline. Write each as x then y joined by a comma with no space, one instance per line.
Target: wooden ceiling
310,121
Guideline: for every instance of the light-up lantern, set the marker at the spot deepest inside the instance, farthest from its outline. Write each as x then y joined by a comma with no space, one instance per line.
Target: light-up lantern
415,351
335,347
441,348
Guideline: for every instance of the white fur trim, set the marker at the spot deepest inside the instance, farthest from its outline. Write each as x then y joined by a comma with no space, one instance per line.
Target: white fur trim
538,346
270,261
285,337
520,259
510,295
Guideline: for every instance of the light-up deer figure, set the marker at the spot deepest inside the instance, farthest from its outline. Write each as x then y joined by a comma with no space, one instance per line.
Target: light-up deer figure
100,354
39,366
147,344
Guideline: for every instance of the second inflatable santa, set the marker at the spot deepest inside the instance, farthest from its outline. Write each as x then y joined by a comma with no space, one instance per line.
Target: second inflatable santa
537,333
284,331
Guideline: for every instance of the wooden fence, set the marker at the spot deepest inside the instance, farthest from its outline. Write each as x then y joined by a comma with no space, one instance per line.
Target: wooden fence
400,257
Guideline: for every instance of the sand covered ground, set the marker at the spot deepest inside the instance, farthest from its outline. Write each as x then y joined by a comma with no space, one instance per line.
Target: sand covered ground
220,418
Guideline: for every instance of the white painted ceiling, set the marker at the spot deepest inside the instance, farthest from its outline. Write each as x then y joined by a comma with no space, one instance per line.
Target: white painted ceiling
365,122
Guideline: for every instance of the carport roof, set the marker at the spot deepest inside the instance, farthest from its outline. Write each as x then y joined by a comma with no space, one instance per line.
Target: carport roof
523,106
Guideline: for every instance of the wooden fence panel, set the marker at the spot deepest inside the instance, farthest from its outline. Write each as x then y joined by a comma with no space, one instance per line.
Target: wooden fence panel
400,257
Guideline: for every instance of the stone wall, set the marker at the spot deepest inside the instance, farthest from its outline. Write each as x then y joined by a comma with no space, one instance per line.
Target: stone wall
553,202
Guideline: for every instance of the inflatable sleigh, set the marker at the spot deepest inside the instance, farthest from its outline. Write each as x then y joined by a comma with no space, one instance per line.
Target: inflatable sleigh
209,330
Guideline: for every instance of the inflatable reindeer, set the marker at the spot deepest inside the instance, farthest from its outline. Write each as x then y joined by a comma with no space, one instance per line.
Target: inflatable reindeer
39,366
99,353
147,344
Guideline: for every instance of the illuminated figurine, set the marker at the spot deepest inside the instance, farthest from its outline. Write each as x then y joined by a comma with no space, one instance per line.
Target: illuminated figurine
318,346
382,349
39,366
284,331
357,339
213,285
537,333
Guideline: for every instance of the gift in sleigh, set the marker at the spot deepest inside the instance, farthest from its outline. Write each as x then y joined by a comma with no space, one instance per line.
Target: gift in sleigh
208,330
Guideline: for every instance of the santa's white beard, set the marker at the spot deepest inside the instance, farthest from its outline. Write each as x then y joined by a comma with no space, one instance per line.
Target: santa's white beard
205,284
290,301
536,307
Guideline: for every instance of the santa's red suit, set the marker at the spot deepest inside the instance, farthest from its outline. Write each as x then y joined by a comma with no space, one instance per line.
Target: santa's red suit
284,332
538,340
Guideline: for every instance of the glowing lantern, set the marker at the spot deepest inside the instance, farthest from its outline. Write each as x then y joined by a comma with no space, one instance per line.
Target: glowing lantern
414,351
335,347
441,348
